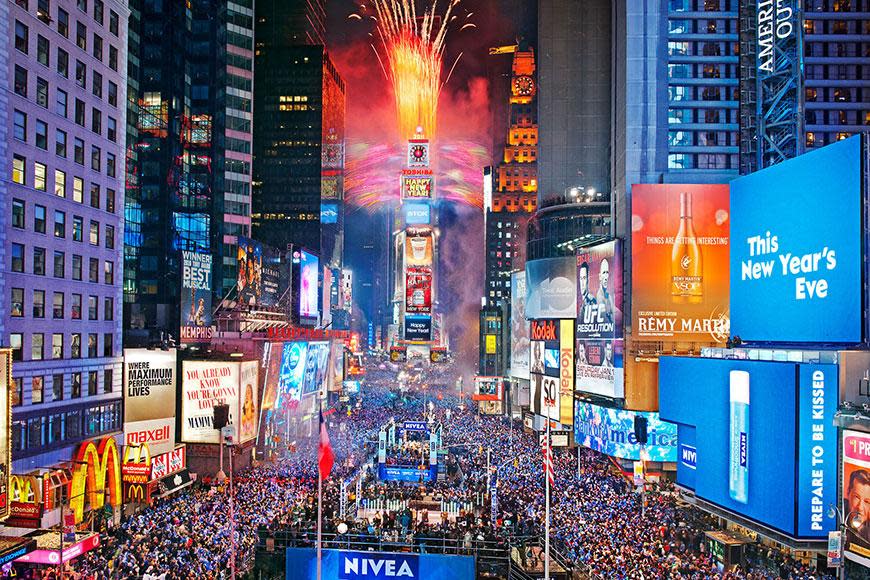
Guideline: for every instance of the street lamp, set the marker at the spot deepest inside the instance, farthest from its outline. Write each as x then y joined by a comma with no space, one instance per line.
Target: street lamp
853,519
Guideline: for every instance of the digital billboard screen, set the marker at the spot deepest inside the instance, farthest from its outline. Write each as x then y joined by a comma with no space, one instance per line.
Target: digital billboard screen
856,495
149,398
797,255
195,297
417,186
551,288
329,213
418,246
756,438
552,369
611,431
416,213
599,361
301,564
316,367
309,278
249,389
519,360
679,252
258,273
418,289
205,384
292,374
418,327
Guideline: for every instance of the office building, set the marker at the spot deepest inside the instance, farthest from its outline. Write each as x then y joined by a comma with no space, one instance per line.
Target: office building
193,188
299,149
291,22
63,187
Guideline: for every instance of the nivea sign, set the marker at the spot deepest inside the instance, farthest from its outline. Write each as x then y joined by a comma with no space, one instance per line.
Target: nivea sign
688,456
372,565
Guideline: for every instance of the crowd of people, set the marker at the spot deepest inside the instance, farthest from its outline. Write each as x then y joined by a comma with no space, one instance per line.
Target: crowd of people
597,517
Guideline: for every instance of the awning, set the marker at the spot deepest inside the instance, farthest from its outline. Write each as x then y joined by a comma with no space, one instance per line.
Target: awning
48,546
12,548
173,483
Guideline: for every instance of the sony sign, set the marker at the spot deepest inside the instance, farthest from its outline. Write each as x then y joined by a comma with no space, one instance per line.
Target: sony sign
773,23
376,566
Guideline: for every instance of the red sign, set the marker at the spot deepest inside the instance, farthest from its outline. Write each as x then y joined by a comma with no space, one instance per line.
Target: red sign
147,435
417,186
54,557
418,289
544,330
168,463
306,334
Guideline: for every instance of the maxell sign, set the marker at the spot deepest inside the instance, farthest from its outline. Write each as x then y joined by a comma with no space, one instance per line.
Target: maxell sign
149,398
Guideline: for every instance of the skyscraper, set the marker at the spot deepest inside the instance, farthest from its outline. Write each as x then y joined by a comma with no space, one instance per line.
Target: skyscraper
193,190
299,148
291,22
62,222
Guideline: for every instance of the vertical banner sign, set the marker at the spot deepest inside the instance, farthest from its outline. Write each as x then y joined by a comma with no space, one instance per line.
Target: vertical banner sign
149,398
5,431
545,368
195,297
817,448
599,368
566,372
205,384
519,327
679,250
248,391
856,488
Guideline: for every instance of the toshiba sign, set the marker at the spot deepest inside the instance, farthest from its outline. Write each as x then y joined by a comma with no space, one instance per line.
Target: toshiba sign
149,398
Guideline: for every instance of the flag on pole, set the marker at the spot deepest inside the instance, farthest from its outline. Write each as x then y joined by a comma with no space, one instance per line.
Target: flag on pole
325,454
549,471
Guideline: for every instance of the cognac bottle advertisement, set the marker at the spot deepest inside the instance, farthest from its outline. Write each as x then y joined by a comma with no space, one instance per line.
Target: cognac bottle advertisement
680,262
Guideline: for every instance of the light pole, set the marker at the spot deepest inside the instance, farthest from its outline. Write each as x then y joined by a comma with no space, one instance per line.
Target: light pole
852,519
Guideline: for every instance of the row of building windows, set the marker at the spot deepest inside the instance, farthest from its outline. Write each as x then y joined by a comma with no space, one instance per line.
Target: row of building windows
52,388
38,267
40,221
55,428
43,13
18,305
57,352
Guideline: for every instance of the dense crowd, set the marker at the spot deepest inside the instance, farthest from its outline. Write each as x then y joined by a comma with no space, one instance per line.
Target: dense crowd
598,520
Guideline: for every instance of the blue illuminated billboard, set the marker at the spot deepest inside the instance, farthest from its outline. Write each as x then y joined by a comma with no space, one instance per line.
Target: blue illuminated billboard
796,249
309,279
756,438
301,564
329,213
292,373
416,213
611,431
316,367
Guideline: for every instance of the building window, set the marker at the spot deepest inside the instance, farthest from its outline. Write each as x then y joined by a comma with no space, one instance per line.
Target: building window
36,387
18,213
113,58
109,272
108,376
42,49
110,237
16,340
80,112
37,346
17,257
22,36
59,148
39,303
76,310
98,11
95,195
112,130
96,158
92,308
56,349
77,269
59,264
75,389
110,164
92,353
63,22
94,271
57,305
39,219
76,346
81,77
18,166
41,135
97,86
79,151
63,63
16,306
57,380
81,36
42,92
113,94
108,308
39,261
78,191
43,11
19,125
113,22
110,200
39,176
108,349
94,233
98,47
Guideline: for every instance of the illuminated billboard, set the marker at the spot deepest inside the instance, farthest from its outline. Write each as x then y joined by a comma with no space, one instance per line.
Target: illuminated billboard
149,398
345,300
5,432
418,153
205,384
735,419
611,431
195,297
679,254
248,399
856,490
416,213
329,213
797,253
552,369
316,367
418,327
292,374
415,186
519,364
418,289
301,564
331,186
487,389
551,288
418,246
258,276
309,277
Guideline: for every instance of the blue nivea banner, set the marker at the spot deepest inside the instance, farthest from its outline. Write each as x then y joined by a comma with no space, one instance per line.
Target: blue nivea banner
352,565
